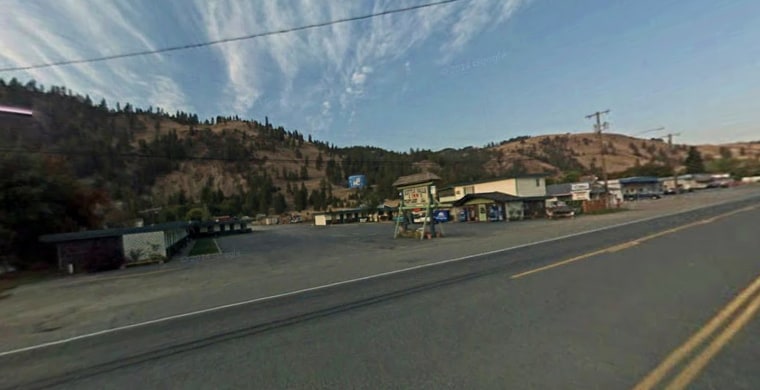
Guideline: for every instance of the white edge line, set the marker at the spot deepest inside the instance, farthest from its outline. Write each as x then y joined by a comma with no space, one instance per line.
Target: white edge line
349,281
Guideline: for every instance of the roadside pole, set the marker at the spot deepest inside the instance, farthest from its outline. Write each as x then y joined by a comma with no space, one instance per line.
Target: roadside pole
598,128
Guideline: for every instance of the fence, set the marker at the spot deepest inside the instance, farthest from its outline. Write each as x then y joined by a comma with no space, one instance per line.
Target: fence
590,206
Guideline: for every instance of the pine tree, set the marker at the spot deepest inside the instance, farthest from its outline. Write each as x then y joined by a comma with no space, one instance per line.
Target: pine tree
694,162
315,200
318,163
279,203
301,198
304,173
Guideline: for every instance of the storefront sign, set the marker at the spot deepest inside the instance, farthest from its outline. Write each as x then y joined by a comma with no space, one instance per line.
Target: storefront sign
579,187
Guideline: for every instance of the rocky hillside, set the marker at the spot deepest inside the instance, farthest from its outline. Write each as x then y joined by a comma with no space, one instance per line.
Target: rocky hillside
147,158
582,152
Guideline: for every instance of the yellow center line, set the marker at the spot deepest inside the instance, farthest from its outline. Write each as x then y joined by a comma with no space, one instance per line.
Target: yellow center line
675,357
700,362
558,264
631,243
622,246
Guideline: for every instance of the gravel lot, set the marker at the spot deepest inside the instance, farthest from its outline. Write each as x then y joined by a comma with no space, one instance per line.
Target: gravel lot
277,259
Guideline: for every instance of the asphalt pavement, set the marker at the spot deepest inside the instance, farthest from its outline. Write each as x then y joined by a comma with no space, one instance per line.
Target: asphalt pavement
280,259
495,321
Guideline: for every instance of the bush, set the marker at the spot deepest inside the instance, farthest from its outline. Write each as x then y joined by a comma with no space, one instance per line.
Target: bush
195,214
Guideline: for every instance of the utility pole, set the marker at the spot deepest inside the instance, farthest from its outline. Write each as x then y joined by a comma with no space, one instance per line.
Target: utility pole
670,159
598,127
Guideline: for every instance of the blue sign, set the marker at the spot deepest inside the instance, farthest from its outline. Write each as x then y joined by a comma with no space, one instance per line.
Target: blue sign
441,215
357,181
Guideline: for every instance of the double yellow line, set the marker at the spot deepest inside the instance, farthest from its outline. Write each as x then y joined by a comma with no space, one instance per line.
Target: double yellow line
749,303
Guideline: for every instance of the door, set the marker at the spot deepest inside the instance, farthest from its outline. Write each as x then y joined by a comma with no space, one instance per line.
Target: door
482,214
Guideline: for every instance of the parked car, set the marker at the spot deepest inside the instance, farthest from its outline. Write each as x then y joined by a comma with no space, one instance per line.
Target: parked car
420,218
560,210
638,196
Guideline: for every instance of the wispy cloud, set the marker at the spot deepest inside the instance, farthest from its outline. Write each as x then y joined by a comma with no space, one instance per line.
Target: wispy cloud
318,74
39,32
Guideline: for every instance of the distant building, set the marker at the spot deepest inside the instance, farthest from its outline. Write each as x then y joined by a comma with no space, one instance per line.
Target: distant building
691,182
575,191
99,250
341,216
641,187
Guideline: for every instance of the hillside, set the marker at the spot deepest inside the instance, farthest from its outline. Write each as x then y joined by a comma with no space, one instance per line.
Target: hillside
145,159
581,152
80,164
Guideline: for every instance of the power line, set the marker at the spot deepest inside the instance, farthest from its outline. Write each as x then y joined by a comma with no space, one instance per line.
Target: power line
227,40
648,131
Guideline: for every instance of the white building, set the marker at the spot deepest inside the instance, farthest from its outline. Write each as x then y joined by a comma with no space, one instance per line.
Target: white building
525,186
496,199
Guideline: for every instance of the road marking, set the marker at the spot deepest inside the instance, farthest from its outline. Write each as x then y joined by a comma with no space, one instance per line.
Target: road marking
675,357
355,280
700,362
560,263
622,246
629,244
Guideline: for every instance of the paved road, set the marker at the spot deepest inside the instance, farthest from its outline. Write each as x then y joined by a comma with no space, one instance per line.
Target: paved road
273,261
603,321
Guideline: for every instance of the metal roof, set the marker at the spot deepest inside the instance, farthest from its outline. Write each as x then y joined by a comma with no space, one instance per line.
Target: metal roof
640,180
417,178
559,189
116,232
494,196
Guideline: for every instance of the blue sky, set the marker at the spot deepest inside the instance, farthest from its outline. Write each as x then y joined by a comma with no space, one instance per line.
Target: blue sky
449,76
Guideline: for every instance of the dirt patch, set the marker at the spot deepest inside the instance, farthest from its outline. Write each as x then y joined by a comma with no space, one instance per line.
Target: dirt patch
10,281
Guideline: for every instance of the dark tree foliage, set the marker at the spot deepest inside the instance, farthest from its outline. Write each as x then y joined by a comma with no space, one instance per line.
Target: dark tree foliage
40,196
649,169
694,162
279,203
301,198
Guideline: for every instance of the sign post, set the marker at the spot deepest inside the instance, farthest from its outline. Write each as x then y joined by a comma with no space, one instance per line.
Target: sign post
417,193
